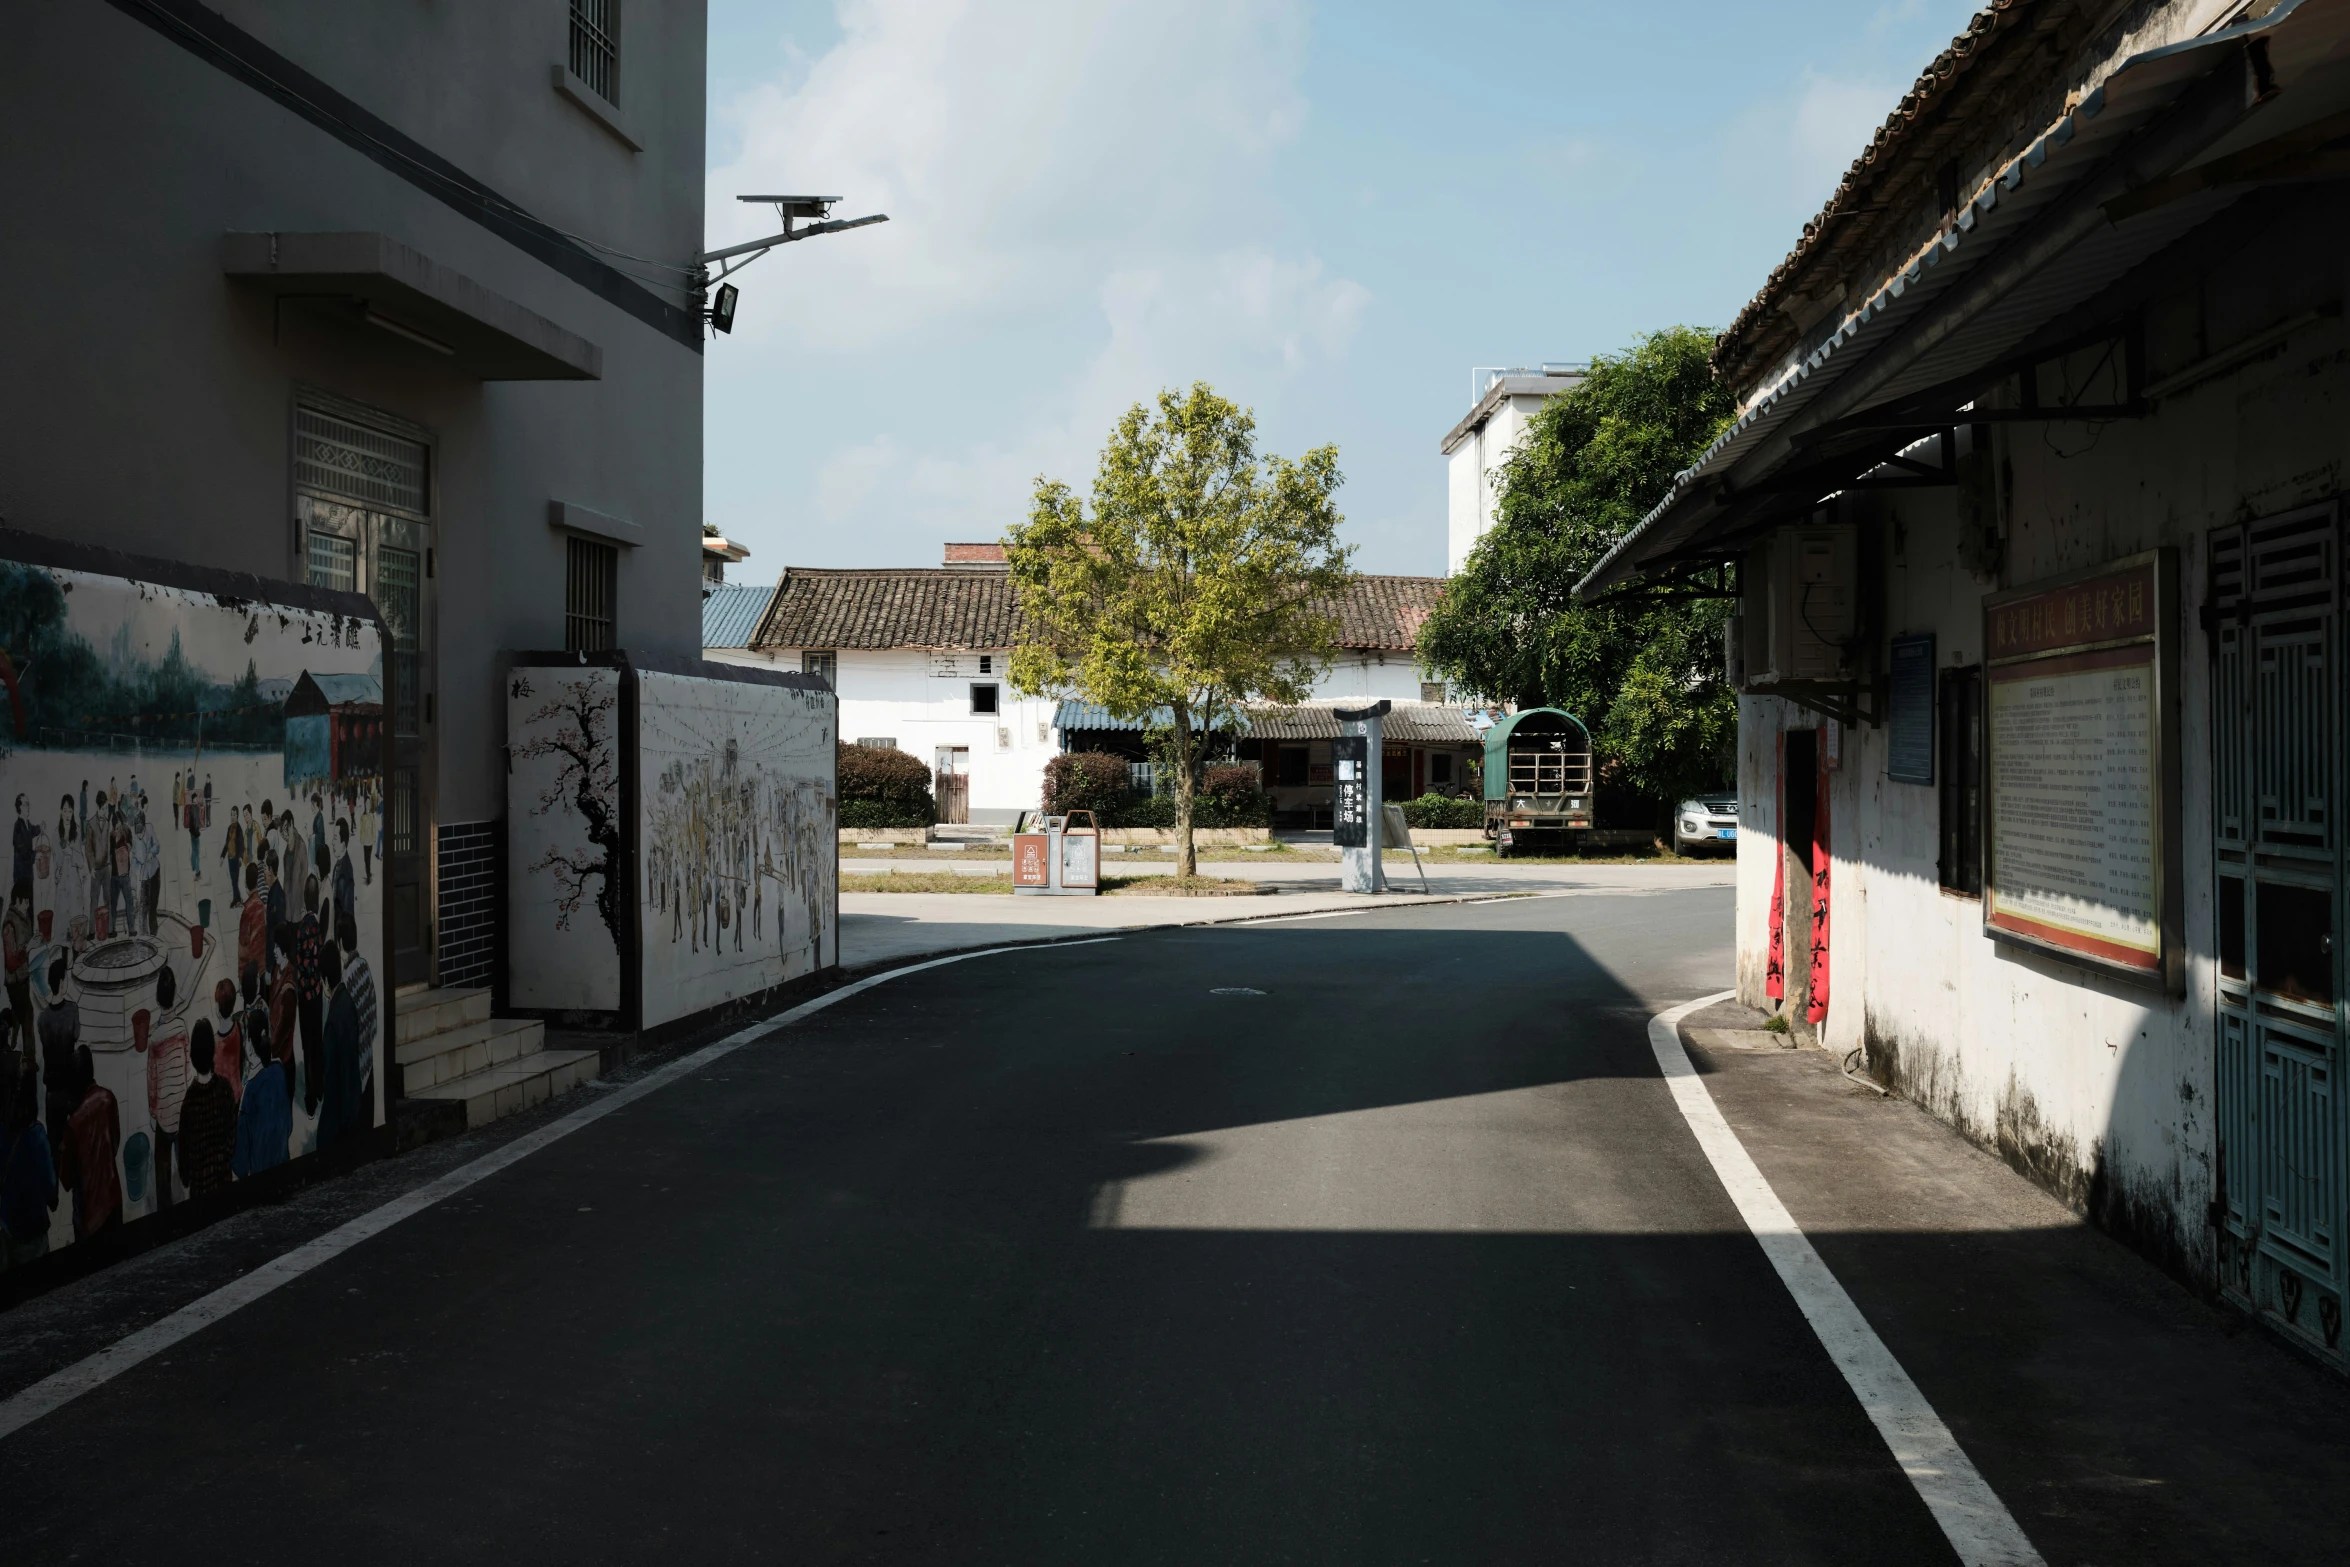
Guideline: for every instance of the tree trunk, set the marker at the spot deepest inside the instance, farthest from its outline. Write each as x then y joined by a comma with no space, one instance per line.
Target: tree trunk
1186,859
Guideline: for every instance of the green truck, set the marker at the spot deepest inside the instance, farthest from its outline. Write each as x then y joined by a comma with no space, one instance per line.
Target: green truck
1537,782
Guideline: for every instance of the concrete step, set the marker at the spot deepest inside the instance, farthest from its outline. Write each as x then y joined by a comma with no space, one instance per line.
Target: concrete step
437,1058
437,1011
515,1084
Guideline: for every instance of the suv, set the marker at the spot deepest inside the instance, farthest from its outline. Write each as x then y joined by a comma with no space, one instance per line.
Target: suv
1708,822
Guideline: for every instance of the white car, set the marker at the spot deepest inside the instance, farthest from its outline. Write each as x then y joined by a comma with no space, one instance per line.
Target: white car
1708,822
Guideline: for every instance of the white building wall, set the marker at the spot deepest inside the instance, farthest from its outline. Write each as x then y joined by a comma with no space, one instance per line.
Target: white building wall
2099,1088
922,701
1470,493
1366,677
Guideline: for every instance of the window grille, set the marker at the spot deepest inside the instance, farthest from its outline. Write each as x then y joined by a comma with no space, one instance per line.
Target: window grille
1432,691
334,562
1960,862
336,457
591,582
878,742
595,46
1142,777
825,665
399,595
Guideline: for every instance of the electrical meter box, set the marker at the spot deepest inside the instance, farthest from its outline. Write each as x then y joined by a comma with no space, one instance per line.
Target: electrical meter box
1801,618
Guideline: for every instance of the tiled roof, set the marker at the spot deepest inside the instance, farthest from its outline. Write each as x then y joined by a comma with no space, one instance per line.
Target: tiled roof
911,607
2004,38
1386,612
938,607
1410,723
731,611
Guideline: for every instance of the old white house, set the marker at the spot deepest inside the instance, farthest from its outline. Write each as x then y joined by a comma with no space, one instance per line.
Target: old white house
919,655
2034,504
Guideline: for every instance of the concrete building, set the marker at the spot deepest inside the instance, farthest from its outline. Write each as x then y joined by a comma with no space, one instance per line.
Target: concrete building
344,296
1502,404
2035,503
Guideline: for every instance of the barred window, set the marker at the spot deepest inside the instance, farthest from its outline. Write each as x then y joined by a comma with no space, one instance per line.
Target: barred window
823,664
1960,862
595,46
591,582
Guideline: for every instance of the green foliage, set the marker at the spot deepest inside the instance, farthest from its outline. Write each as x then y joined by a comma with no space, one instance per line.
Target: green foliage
1594,460
883,788
1093,781
1228,795
71,694
1437,810
1190,584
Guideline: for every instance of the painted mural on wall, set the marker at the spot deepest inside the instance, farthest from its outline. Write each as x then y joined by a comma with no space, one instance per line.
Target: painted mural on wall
739,848
194,917
565,935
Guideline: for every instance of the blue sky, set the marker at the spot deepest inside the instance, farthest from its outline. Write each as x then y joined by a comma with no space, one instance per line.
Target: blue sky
1331,213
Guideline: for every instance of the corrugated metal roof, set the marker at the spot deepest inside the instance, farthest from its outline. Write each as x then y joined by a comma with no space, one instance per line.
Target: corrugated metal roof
2002,211
731,613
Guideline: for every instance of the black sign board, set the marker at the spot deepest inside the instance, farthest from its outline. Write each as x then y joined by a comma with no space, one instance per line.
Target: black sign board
1350,821
1909,727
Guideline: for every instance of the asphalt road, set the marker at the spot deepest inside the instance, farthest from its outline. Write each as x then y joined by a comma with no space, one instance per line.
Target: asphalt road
1358,1240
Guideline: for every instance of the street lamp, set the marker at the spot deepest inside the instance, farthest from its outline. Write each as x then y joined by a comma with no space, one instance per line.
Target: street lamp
792,210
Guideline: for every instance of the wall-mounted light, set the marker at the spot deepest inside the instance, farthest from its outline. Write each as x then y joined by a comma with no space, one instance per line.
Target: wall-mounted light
722,307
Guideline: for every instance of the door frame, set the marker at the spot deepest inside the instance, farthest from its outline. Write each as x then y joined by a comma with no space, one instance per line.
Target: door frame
2275,1279
319,399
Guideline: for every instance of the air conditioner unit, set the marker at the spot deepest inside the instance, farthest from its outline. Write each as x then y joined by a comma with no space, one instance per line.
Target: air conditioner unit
1802,610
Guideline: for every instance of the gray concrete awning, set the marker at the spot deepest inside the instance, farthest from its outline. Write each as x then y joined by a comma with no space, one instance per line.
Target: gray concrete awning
383,285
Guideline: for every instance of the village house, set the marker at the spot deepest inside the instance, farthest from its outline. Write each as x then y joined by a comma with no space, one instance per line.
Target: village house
919,657
2032,511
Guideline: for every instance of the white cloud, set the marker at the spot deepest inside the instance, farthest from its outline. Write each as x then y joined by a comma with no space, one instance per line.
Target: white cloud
1785,156
1095,176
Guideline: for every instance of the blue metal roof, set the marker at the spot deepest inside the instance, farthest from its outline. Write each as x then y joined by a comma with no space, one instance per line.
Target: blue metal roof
731,613
1088,715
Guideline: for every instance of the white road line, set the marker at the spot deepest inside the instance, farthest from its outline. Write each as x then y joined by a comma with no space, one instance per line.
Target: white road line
63,1387
1973,1518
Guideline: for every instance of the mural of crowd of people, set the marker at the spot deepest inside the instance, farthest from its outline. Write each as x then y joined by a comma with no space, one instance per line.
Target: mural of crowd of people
194,908
735,839
740,849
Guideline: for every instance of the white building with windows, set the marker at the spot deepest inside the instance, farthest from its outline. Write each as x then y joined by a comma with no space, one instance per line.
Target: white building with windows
1504,404
918,657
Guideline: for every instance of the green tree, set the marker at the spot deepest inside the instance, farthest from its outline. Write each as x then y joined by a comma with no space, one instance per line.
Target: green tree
1199,580
1646,679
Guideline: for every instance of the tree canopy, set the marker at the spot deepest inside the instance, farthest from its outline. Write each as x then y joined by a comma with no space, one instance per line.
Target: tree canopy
1646,680
1198,580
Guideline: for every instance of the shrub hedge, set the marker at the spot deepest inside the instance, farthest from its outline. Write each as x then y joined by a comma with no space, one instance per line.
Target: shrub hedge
884,788
1097,781
1436,810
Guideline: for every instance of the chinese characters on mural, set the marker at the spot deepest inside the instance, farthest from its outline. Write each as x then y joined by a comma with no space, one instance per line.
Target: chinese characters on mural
193,917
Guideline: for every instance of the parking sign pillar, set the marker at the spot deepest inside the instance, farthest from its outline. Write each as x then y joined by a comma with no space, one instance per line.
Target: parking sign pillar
1354,817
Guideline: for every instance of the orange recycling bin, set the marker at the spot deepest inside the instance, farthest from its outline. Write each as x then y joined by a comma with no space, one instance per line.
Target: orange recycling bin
1063,861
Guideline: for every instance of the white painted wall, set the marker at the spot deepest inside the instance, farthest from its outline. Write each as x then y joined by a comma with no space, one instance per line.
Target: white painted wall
922,701
2100,1088
1469,475
1357,677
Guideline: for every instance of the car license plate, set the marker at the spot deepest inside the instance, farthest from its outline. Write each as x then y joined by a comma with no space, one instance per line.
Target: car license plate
1727,832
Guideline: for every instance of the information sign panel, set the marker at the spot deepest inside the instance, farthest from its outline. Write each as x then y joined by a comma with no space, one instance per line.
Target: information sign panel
1909,717
2080,768
1350,819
